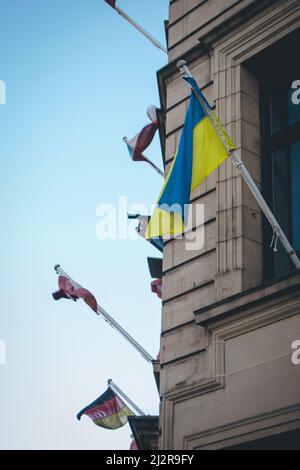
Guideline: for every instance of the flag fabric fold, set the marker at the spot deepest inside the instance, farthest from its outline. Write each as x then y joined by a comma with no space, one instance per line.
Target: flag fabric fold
112,3
72,290
109,411
200,152
156,287
157,242
143,139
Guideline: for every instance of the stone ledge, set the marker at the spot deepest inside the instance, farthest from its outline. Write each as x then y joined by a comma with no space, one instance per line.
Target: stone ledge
271,290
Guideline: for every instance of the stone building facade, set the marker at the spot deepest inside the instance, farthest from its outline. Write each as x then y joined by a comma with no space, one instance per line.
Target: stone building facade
231,310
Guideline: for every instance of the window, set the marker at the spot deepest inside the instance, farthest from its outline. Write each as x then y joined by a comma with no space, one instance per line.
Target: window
276,69
280,153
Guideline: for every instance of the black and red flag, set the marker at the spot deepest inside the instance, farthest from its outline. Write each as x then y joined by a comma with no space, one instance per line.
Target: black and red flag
108,411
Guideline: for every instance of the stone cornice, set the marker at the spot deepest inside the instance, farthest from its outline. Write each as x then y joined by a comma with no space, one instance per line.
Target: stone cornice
206,41
255,297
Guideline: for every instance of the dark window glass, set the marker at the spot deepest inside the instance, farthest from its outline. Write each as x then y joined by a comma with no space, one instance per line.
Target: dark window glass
279,109
295,175
280,173
282,167
278,74
294,109
283,112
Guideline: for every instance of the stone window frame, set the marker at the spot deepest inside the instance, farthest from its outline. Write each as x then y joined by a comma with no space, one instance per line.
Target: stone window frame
236,269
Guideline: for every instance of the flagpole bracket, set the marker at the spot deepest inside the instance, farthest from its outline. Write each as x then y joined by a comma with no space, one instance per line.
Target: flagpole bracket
182,67
275,238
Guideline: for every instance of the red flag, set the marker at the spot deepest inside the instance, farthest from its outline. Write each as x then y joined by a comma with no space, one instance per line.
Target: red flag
68,290
156,287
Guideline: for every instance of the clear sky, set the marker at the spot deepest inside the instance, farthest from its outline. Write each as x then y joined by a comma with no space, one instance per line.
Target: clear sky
78,79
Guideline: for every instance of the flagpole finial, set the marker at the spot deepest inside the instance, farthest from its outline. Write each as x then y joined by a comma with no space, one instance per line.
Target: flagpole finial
125,139
109,381
56,266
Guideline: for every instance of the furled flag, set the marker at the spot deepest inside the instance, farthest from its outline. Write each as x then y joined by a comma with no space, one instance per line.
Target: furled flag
156,287
143,139
72,290
112,3
108,411
199,153
142,228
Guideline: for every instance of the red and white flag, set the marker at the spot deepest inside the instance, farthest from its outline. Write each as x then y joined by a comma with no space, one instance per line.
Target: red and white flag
72,290
143,139
156,287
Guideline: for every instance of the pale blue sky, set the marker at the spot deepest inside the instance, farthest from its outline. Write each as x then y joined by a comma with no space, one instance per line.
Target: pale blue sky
78,79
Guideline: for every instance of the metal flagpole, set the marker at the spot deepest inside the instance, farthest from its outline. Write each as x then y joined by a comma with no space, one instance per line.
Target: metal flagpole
154,41
148,161
235,158
110,320
120,392
155,167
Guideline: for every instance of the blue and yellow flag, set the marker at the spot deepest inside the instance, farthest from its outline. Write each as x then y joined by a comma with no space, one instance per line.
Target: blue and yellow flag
201,150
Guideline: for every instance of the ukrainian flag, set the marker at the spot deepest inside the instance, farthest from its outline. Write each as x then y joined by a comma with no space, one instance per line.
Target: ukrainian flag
201,150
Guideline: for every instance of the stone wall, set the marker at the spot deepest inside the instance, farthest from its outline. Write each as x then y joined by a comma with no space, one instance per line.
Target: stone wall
231,260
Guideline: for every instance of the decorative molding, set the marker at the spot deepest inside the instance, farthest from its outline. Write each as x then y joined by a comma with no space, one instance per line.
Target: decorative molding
265,425
220,333
207,385
285,287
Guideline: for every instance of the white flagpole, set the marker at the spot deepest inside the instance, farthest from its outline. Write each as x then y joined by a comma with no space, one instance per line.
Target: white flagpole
120,392
154,166
138,27
235,158
110,320
148,161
